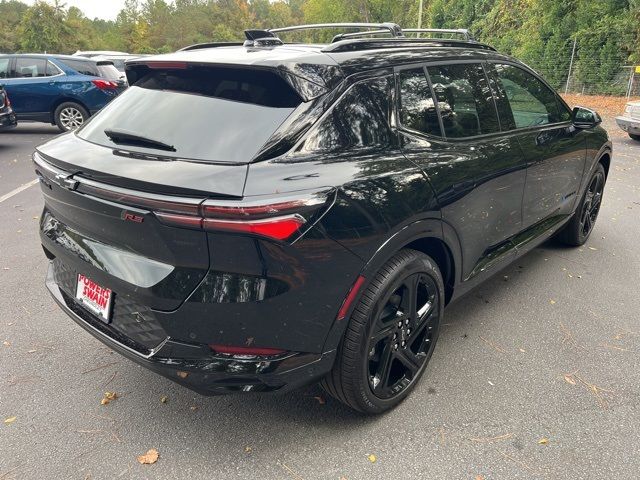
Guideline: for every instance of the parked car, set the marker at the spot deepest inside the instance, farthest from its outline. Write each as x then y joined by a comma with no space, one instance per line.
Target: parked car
630,120
7,117
118,58
58,89
260,216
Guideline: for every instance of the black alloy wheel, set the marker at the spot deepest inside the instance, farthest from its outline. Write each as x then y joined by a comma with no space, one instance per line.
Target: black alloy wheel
402,337
391,335
579,228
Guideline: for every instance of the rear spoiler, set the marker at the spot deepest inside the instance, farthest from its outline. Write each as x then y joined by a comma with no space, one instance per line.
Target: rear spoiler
310,81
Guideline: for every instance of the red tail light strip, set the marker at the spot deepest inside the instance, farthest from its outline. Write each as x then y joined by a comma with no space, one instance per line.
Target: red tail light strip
105,84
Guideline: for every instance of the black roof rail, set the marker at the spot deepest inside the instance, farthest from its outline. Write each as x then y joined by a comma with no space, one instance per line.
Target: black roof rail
364,33
466,34
393,28
379,43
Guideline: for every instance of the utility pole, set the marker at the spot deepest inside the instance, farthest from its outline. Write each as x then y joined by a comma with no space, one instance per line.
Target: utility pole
573,53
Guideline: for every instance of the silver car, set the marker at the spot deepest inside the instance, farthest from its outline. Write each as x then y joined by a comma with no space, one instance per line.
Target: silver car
630,120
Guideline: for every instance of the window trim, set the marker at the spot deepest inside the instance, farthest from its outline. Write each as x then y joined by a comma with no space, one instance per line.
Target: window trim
47,62
397,105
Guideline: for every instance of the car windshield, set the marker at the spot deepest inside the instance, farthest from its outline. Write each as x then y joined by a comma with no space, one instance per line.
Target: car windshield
206,114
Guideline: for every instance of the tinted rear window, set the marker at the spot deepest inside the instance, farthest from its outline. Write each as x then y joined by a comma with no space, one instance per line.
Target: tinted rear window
109,71
205,113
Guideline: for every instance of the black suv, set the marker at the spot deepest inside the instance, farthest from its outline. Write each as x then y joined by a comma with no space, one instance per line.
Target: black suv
260,216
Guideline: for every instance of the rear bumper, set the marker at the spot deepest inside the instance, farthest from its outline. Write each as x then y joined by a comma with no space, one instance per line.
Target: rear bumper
629,125
195,366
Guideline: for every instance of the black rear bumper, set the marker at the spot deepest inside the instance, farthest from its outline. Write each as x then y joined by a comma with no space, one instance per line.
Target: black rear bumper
7,120
195,366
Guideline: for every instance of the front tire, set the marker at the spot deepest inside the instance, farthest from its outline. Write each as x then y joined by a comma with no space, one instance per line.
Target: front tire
635,137
391,335
579,228
69,116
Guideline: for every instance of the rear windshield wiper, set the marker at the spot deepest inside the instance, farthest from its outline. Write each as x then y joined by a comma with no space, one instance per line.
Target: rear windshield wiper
122,137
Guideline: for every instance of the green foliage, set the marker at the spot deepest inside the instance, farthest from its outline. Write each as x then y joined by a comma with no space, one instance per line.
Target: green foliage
540,32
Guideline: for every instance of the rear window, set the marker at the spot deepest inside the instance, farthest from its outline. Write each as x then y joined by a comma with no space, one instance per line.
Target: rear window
204,113
109,71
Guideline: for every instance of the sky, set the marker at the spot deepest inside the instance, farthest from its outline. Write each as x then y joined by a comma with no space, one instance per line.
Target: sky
105,9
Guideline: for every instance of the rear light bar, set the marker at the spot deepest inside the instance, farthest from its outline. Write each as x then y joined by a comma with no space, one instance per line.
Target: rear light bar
105,84
164,65
277,217
252,351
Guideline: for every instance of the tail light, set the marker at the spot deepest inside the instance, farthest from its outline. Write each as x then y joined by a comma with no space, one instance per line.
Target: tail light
105,84
278,217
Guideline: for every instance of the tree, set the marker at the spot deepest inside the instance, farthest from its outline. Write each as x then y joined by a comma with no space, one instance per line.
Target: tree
44,28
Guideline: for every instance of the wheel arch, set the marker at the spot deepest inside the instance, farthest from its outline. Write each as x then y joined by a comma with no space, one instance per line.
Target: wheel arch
605,160
60,101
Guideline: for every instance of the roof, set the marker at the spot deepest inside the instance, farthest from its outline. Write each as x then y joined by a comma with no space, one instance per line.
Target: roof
52,55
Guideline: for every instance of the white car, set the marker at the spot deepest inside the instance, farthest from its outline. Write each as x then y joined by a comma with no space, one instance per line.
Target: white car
630,120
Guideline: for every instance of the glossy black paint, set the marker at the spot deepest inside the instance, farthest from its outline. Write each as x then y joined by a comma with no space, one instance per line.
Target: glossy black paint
473,204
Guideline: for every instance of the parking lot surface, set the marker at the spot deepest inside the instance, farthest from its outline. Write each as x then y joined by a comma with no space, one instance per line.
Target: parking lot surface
536,375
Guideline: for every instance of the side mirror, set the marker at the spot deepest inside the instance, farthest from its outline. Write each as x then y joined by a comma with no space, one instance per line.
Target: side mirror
583,117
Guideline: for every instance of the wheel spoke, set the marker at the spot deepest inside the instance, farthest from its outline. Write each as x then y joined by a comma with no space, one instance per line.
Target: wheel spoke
383,332
381,377
409,360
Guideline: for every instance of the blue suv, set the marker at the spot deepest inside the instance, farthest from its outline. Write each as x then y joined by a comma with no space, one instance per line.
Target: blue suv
58,89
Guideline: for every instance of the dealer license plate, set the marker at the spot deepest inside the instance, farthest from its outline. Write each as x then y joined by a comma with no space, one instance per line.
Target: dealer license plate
94,298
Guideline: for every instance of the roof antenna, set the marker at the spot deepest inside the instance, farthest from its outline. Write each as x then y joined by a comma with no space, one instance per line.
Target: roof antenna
261,38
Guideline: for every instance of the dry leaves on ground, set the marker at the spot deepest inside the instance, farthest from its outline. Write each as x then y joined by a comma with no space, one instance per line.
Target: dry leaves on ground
10,420
149,458
108,398
372,458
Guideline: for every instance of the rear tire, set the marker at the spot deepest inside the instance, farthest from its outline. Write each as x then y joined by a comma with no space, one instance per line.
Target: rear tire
391,335
577,231
635,137
69,116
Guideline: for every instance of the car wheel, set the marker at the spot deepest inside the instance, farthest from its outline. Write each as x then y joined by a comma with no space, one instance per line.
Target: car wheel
391,335
69,116
577,231
635,137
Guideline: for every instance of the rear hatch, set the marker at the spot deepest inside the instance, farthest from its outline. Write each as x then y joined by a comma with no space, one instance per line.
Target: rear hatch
181,135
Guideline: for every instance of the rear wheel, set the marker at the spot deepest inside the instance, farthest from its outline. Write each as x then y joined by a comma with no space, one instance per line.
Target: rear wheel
635,137
391,335
69,116
579,228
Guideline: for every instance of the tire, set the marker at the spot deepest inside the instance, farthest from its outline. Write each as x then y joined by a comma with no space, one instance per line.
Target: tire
579,228
69,116
379,334
635,137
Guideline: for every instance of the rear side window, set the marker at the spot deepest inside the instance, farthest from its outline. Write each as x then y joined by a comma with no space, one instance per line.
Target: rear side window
465,100
4,67
531,101
82,67
31,67
417,107
204,113
359,121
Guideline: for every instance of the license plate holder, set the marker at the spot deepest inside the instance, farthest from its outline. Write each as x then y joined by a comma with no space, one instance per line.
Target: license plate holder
95,298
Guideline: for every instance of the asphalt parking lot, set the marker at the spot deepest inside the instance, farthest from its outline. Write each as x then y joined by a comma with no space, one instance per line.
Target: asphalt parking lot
536,375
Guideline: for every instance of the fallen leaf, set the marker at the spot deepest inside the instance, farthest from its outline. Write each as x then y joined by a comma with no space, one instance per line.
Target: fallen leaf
569,379
247,449
553,302
479,477
183,374
149,458
320,400
6,344
164,399
193,408
108,398
32,351
543,441
592,248
9,420
522,350
372,458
